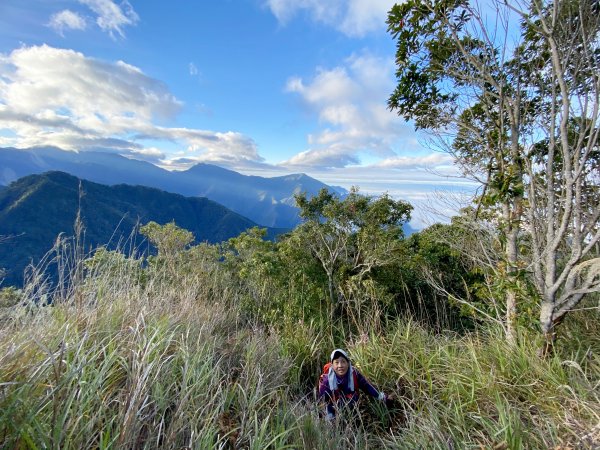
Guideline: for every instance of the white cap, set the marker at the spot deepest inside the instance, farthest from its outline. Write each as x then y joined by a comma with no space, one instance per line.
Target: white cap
340,351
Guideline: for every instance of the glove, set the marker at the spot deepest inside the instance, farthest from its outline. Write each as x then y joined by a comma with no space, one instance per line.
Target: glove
381,397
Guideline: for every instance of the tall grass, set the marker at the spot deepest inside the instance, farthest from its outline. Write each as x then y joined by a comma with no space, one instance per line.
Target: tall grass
476,390
148,357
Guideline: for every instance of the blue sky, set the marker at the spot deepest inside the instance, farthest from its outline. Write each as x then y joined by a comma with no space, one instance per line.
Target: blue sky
264,87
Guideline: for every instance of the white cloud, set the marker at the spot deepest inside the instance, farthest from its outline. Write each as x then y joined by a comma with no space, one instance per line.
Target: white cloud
227,148
330,157
150,154
111,17
364,16
351,17
433,160
51,96
50,83
320,10
350,102
436,198
193,69
328,86
66,20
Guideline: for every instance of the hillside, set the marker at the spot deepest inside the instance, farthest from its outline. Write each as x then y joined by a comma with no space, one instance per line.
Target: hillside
36,208
266,201
211,355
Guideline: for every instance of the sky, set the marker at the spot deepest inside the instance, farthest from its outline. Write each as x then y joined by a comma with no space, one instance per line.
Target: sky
264,87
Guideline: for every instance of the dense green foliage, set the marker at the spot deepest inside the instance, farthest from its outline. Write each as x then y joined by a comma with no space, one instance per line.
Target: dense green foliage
348,262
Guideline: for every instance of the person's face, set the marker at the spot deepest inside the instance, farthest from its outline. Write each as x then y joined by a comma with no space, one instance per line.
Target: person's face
340,366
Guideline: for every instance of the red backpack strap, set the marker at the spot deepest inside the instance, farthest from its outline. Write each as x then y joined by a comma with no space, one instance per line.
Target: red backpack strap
325,371
323,374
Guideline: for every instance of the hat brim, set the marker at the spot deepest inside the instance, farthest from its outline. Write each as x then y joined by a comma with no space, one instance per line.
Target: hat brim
337,353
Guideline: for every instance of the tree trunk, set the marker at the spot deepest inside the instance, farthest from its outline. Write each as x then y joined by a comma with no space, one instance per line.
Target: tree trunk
548,323
511,316
512,218
333,303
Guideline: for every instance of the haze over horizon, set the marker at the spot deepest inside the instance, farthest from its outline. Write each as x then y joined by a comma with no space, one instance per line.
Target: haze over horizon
264,87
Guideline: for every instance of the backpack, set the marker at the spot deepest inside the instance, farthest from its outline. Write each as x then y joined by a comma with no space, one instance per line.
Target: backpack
336,393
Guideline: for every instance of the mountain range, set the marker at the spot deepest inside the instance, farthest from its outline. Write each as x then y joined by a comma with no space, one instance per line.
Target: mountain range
266,201
35,209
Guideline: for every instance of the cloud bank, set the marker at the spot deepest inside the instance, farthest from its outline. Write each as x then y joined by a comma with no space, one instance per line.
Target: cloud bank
354,18
52,96
350,103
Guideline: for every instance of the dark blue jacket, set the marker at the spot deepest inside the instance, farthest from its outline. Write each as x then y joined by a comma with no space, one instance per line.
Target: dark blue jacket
343,395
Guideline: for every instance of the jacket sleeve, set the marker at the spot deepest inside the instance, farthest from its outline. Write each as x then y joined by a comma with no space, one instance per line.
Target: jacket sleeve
326,396
365,386
324,390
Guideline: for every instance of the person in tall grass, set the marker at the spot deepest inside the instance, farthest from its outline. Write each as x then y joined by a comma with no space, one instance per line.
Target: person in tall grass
340,383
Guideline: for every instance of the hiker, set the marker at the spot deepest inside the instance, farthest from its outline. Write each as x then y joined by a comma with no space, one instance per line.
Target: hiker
339,384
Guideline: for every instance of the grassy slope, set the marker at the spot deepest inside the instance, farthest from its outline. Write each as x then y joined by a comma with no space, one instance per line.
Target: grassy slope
172,363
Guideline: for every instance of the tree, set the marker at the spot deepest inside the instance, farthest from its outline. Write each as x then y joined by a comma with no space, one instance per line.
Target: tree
169,239
489,100
352,236
171,242
563,170
254,262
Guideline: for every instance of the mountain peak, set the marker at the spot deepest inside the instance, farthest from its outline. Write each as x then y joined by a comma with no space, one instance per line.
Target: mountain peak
268,201
296,176
205,168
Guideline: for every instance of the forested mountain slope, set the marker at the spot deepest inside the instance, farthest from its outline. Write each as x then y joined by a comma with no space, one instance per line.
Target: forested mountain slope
35,209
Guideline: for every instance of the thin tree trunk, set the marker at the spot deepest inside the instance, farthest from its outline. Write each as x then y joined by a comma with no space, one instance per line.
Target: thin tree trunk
511,316
512,217
511,294
332,298
549,320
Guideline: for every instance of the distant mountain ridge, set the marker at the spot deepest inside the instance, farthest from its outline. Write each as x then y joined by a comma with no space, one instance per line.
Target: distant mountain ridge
266,201
36,208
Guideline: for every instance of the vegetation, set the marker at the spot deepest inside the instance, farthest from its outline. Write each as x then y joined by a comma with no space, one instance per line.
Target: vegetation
520,113
35,209
219,345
